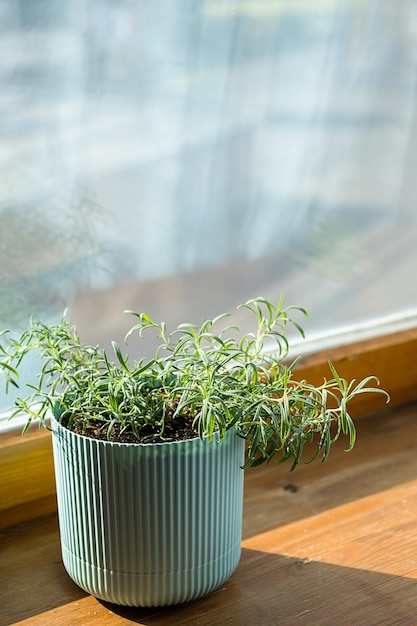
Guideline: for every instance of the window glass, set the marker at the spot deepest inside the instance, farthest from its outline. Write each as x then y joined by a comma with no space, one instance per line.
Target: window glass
183,157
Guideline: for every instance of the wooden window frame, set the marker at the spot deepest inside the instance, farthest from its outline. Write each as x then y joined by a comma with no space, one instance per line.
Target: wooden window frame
27,486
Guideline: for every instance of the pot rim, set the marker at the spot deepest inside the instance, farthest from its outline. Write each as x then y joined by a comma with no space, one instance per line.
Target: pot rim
178,442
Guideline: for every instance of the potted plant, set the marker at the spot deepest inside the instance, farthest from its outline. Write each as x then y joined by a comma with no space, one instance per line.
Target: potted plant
149,454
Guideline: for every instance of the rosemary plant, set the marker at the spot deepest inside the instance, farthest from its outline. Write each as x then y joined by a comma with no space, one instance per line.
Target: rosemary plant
201,381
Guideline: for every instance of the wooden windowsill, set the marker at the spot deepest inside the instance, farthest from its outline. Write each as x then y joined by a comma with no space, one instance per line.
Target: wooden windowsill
327,544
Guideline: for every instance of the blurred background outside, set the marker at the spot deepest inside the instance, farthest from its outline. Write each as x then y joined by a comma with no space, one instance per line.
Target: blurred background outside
182,157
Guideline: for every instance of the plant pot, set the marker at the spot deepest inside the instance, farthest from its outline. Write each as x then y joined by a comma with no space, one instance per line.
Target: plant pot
149,524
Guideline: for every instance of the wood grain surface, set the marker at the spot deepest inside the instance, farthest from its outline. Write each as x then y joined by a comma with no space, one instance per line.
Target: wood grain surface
328,544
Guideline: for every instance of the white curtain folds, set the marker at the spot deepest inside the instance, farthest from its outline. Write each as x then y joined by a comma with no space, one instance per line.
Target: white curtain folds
264,146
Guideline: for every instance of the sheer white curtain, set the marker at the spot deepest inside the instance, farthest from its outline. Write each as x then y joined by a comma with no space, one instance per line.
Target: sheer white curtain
208,151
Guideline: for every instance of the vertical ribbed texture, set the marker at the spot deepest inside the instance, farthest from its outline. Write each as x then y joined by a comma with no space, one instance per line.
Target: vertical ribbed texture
149,525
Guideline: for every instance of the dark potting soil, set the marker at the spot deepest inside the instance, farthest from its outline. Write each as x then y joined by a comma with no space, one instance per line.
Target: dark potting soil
177,429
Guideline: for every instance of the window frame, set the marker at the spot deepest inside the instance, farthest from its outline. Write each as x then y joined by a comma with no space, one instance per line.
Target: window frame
27,488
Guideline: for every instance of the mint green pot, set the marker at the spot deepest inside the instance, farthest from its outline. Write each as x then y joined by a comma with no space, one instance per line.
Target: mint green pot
149,525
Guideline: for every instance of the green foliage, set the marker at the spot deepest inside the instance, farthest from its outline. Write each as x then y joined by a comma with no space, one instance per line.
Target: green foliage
216,379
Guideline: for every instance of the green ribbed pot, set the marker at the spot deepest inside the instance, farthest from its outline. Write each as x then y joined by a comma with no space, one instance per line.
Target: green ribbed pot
149,525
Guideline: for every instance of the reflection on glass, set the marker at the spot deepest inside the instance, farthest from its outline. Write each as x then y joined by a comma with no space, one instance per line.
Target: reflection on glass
226,149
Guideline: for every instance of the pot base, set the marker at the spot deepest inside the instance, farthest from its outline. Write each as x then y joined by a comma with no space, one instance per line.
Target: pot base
140,589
